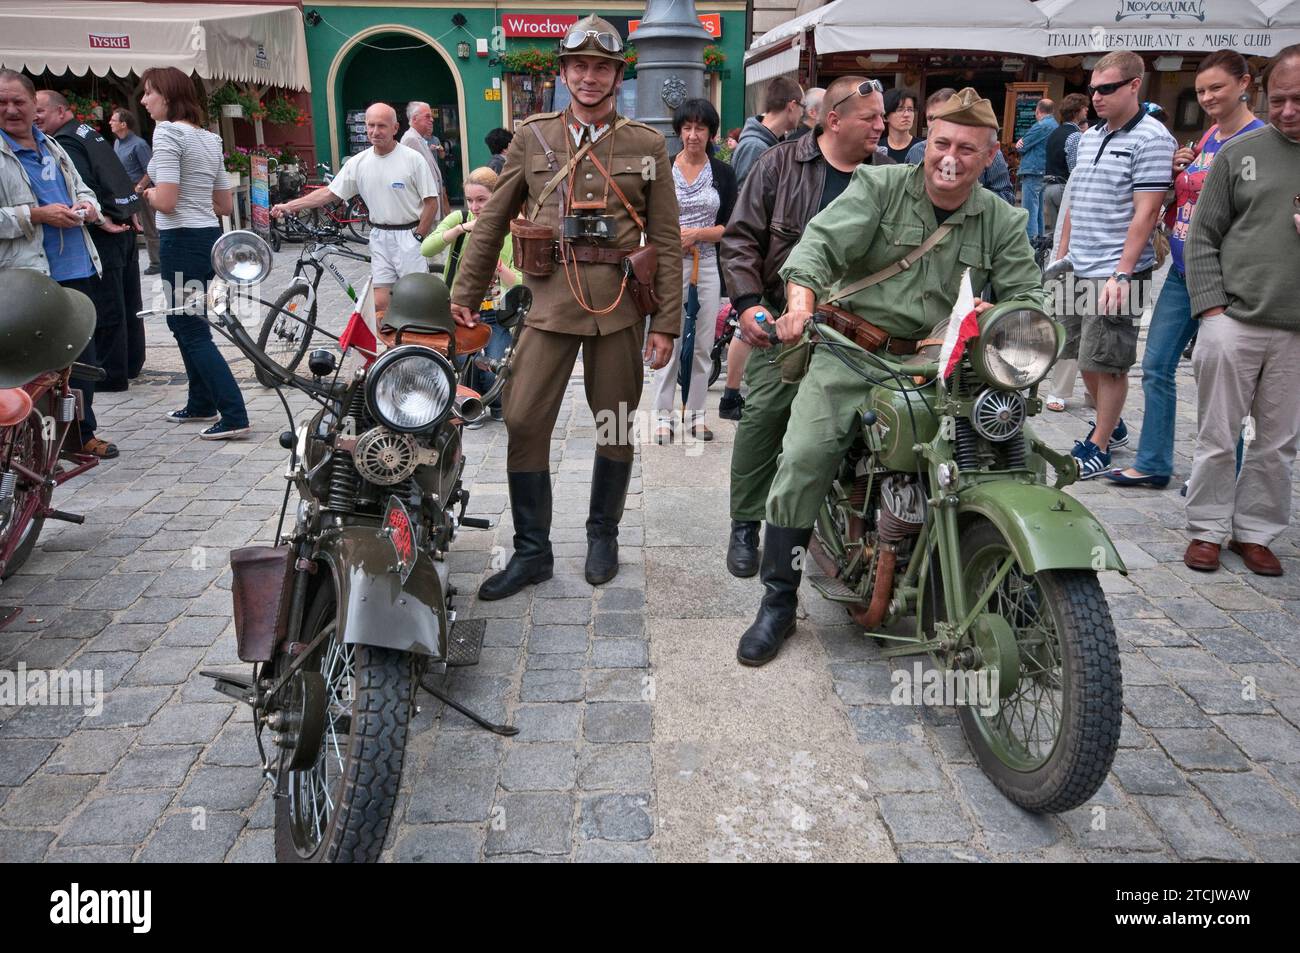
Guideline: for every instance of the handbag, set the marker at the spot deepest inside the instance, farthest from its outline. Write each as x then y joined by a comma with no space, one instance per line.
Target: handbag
639,269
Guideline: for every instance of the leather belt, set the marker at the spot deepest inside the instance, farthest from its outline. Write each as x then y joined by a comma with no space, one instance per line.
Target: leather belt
409,226
1053,180
863,333
593,254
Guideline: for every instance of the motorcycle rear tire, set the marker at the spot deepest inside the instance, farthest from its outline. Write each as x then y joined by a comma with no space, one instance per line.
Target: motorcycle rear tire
1092,694
28,447
364,799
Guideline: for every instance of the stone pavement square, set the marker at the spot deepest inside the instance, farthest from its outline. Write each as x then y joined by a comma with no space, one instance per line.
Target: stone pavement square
640,737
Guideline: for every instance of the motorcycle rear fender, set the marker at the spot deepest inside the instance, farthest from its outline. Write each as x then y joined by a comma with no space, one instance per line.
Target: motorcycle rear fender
1044,527
373,605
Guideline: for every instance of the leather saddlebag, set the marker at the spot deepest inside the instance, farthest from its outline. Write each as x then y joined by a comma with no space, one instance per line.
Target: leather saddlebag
263,580
858,330
534,247
639,267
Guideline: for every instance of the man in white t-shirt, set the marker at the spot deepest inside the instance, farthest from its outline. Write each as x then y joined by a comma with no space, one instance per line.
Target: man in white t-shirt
420,116
398,189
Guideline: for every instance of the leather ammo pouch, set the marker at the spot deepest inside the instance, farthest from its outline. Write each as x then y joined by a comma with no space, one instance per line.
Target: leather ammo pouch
639,268
534,247
263,577
858,330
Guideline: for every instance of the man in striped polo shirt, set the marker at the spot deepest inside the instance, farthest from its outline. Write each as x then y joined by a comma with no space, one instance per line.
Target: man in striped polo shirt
1124,168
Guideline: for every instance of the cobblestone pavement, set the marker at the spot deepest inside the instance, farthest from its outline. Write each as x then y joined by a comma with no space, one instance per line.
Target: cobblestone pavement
641,738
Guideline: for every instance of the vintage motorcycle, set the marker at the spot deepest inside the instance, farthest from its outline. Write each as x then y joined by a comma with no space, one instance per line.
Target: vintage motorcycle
344,615
39,411
942,512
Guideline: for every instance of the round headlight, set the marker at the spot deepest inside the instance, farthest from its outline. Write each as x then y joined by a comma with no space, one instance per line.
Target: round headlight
1017,347
241,258
410,389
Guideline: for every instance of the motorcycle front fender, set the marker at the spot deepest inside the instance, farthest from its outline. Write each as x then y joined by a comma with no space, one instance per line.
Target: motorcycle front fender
374,607
1044,527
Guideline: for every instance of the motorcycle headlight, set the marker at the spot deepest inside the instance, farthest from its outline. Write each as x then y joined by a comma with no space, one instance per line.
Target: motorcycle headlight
1017,346
241,258
410,389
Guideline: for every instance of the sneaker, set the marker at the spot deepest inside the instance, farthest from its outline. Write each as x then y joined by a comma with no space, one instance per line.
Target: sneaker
1092,462
224,431
183,416
473,424
731,409
1118,436
153,270
497,414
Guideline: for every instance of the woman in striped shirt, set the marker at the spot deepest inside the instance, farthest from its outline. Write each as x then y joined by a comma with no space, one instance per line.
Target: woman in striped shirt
190,190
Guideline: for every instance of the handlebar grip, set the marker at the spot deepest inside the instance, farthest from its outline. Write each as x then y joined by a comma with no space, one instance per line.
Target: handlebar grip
88,372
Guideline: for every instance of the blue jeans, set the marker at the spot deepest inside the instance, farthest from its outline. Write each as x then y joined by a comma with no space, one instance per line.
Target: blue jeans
1172,326
183,256
1031,200
496,346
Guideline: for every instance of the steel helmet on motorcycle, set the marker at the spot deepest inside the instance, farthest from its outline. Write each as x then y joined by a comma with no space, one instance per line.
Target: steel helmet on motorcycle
419,302
43,327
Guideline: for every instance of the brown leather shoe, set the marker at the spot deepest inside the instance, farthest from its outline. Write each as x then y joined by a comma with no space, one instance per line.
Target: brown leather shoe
1258,559
1202,556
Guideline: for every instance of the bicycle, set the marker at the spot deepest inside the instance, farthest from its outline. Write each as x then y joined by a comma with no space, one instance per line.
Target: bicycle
348,221
290,321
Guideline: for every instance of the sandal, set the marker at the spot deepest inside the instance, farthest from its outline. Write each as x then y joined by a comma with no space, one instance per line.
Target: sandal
701,432
1055,403
100,448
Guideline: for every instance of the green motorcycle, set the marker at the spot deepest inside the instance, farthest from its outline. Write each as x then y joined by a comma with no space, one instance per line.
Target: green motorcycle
942,513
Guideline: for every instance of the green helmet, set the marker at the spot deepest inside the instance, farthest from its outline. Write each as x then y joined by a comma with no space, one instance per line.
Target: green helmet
43,327
592,36
419,302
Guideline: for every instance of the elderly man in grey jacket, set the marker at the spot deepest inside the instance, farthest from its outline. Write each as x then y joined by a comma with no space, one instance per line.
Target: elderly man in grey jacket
420,116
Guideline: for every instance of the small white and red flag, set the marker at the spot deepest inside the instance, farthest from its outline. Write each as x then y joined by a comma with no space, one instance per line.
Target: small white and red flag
362,331
963,324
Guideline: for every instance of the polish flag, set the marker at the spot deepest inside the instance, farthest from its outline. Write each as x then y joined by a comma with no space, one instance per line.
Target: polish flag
362,331
963,324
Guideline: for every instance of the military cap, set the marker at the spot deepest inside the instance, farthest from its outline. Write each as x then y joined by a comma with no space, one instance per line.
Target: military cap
967,108
593,36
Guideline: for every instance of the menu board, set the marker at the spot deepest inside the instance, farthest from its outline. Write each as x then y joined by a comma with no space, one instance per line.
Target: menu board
1018,115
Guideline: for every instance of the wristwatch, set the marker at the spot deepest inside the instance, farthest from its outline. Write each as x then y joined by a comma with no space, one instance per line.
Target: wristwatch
418,236
1121,276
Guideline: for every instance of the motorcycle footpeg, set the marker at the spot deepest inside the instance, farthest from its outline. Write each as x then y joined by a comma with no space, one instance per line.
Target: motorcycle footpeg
465,643
65,517
236,686
475,522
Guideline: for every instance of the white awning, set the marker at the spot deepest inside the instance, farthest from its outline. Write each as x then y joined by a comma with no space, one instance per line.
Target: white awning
999,26
1167,26
787,61
247,43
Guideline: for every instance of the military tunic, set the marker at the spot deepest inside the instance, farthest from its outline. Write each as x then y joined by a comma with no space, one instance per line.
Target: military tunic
884,214
636,157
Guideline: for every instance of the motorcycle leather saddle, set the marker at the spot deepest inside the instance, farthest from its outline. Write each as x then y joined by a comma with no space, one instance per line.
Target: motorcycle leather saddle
467,340
15,405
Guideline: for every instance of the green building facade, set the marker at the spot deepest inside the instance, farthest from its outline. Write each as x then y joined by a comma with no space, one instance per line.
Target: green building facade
474,63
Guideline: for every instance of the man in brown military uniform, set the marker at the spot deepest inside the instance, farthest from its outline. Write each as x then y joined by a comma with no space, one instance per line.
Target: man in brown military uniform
600,182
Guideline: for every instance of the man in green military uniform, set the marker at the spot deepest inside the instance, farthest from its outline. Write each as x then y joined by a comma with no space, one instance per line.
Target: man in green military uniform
790,183
591,185
883,216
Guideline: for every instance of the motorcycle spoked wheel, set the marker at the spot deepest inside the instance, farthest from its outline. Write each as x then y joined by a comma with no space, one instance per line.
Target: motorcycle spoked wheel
338,810
1050,745
282,337
27,447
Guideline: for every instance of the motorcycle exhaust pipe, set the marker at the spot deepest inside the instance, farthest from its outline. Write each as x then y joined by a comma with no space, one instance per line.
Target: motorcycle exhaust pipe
469,409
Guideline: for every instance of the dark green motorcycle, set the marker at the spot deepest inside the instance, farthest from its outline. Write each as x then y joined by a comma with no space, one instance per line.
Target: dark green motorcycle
942,513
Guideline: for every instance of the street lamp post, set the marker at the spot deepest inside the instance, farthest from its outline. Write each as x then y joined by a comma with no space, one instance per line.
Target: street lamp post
670,46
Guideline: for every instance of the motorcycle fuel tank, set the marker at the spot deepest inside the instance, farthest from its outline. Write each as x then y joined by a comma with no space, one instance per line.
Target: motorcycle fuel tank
902,420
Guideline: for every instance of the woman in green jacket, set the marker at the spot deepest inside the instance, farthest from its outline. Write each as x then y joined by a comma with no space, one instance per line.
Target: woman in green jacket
453,234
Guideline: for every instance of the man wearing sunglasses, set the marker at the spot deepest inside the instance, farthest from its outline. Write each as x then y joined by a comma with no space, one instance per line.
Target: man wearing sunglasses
883,216
1118,184
592,184
790,184
1243,275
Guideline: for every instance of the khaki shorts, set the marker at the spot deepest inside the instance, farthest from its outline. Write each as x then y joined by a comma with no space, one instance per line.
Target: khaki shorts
1108,342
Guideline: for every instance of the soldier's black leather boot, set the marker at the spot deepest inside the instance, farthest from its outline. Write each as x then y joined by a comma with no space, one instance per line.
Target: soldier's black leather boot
533,561
609,480
784,551
742,549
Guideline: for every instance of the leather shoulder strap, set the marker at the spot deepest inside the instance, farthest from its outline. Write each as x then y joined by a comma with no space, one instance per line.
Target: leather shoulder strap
640,223
904,263
553,163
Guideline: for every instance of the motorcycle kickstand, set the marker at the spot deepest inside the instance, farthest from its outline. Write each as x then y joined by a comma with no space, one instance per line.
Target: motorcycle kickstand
507,730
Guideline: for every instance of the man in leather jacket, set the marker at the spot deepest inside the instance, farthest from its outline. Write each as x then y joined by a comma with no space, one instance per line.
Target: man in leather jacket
790,184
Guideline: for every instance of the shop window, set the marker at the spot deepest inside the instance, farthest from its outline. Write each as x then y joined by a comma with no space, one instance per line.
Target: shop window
529,93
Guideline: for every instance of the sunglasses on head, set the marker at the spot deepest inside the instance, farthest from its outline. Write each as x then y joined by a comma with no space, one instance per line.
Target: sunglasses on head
865,88
1106,89
609,42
